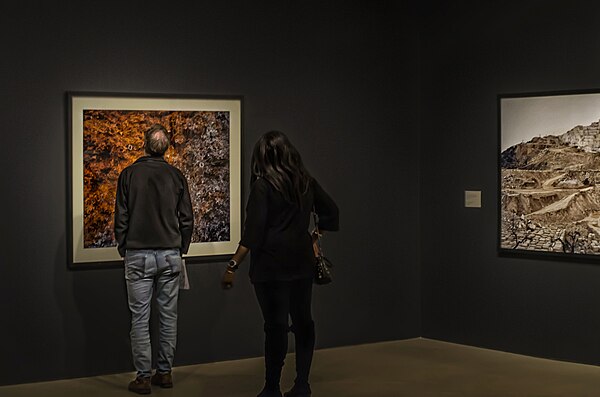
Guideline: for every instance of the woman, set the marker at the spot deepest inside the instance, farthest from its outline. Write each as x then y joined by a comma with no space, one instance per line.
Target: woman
282,263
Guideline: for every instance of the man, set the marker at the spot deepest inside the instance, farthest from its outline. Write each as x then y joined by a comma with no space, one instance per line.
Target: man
153,228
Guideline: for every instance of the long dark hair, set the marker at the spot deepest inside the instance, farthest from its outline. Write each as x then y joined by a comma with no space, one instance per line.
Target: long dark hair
277,160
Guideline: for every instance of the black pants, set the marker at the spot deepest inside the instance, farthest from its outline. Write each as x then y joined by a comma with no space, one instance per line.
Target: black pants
278,300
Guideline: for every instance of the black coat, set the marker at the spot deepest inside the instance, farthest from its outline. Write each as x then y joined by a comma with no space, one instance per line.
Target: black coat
277,231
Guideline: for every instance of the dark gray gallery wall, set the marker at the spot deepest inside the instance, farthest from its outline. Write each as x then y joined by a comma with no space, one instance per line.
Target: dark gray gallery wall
471,52
341,78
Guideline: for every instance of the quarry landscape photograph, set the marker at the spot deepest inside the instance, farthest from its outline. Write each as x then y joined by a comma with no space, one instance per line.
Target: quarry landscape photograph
550,186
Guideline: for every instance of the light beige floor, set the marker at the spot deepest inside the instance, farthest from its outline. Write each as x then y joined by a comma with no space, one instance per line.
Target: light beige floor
412,368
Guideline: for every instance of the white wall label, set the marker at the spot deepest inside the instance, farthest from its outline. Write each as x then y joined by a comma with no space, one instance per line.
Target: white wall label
473,198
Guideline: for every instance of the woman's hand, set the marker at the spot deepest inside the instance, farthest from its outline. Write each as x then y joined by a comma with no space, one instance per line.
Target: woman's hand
227,280
236,259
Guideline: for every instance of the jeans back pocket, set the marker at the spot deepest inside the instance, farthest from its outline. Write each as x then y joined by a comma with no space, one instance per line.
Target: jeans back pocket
135,266
174,262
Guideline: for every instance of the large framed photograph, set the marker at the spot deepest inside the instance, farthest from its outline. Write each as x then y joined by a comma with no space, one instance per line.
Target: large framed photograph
106,134
549,174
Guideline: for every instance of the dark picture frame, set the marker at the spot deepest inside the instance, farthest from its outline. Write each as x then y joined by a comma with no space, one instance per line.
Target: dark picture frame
549,175
105,134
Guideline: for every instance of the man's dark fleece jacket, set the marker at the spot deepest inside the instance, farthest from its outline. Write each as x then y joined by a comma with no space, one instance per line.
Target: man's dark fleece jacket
153,209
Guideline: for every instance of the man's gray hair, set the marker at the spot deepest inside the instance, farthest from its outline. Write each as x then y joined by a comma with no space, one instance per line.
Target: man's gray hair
157,140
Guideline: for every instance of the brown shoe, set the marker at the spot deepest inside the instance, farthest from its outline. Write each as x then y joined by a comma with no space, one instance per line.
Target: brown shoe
163,380
140,385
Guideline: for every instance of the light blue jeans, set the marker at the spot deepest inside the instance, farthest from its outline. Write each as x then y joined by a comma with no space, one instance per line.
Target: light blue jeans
144,271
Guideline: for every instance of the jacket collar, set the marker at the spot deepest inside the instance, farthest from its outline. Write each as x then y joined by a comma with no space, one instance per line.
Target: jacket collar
150,158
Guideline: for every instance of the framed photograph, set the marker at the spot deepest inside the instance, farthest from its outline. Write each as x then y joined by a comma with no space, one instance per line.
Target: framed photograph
549,174
106,134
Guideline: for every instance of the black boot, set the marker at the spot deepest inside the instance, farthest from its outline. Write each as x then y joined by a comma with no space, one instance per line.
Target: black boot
270,392
305,345
275,351
299,390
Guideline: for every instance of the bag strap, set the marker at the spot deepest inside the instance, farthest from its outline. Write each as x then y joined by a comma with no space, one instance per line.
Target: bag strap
316,222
